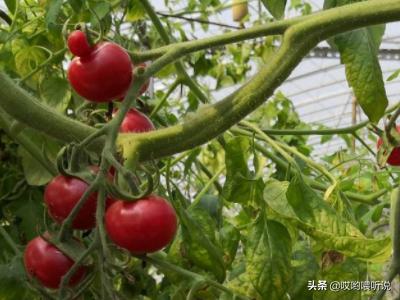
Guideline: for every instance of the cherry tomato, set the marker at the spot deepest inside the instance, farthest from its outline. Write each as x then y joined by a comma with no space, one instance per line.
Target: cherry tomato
48,264
394,157
143,226
63,193
78,44
135,121
103,75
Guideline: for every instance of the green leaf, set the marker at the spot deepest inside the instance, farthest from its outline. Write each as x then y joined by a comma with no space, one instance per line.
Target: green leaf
305,268
229,237
11,4
35,173
349,270
101,9
275,7
200,243
359,53
306,209
268,252
27,58
13,281
29,211
56,93
76,5
53,10
136,11
394,75
241,185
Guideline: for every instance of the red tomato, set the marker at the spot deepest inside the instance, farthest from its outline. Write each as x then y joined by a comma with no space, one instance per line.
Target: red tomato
143,226
103,75
63,193
135,121
78,44
394,157
48,264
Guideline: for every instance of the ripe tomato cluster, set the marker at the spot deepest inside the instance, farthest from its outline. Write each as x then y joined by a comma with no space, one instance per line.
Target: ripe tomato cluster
100,73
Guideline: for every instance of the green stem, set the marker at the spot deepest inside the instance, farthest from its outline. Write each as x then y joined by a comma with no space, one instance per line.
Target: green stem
66,225
193,290
160,104
101,206
207,186
206,171
67,277
9,240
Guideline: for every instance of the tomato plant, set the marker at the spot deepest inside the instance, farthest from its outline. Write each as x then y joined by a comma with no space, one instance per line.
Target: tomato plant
187,113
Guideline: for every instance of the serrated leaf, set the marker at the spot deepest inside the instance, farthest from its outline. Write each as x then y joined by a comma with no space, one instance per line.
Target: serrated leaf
241,186
268,252
306,210
56,93
275,7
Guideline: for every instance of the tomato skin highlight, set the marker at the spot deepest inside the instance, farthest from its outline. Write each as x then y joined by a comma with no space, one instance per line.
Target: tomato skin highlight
63,193
394,157
78,44
143,226
103,75
135,121
48,264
